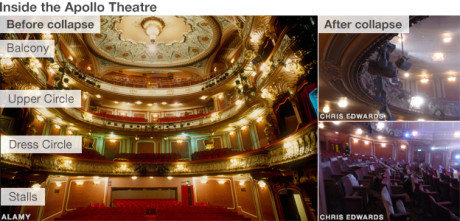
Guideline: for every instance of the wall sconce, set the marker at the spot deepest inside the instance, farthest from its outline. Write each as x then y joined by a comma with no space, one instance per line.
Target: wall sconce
6,63
261,183
40,118
221,181
403,147
169,177
239,102
36,187
134,177
58,184
242,183
96,182
80,182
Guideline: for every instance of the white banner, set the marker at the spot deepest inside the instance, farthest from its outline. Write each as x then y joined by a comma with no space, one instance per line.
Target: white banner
50,24
363,24
41,144
23,197
27,48
40,98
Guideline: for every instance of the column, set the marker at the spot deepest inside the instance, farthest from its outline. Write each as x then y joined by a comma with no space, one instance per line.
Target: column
239,139
193,145
395,150
215,99
63,130
99,144
429,156
254,137
47,127
87,103
372,148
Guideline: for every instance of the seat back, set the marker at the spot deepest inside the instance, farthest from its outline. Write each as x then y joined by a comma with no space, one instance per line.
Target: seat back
454,195
353,180
438,210
386,200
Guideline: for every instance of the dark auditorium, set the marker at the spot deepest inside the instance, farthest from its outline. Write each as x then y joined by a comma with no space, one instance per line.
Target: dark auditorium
389,171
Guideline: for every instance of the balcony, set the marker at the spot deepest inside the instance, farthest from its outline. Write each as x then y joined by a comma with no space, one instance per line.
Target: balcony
298,146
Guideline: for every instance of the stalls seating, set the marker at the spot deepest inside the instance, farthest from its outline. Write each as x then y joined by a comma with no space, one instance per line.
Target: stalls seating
395,190
353,197
439,209
395,209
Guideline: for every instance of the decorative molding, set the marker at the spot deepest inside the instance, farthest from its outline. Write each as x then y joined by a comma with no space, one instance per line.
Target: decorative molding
296,147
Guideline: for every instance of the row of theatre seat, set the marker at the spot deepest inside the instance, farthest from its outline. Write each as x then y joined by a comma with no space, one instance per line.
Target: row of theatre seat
146,203
104,213
121,118
152,209
211,154
144,120
181,118
362,181
148,157
87,154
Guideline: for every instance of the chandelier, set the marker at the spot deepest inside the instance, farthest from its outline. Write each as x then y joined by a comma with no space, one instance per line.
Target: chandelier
153,27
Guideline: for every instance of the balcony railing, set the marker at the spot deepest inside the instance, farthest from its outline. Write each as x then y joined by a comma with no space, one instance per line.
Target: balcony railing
298,146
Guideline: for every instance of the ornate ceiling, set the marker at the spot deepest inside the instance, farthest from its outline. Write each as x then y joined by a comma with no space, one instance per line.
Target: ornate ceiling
184,41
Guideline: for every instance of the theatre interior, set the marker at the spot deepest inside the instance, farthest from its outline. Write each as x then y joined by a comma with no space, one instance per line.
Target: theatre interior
403,76
182,118
395,170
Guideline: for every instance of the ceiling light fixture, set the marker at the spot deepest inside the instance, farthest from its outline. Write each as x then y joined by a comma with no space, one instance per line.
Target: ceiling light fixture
406,75
326,109
447,39
153,27
343,102
438,56
359,131
321,125
452,79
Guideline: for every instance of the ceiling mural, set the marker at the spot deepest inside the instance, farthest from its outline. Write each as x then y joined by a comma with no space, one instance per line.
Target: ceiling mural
179,40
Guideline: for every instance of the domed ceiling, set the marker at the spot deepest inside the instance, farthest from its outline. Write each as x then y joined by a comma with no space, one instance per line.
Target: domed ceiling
184,40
